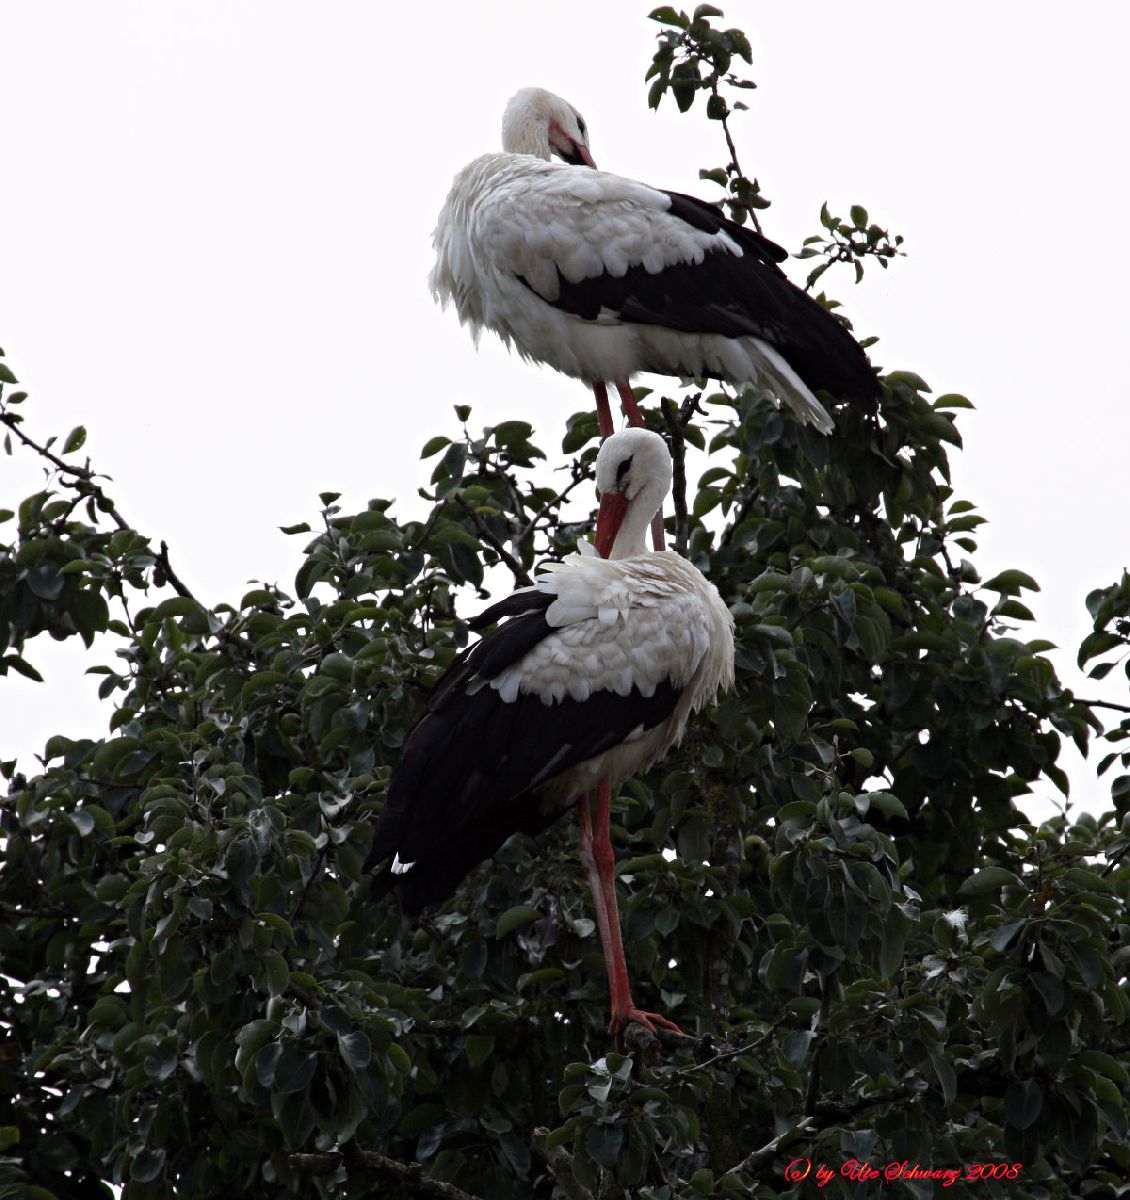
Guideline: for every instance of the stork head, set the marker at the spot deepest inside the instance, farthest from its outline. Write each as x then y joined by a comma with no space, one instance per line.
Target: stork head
538,122
633,475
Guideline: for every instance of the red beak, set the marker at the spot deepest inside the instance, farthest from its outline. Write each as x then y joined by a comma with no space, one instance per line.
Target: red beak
609,517
574,153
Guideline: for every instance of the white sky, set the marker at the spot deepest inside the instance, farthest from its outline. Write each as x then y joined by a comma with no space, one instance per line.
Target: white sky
215,229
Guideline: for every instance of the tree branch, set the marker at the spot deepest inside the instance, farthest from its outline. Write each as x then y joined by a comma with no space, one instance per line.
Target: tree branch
84,483
84,474
171,575
759,1157
411,1176
560,1164
1104,704
678,472
521,575
578,477
725,1055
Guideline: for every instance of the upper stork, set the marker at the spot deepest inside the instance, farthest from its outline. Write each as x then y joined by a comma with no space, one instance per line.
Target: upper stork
588,678
602,277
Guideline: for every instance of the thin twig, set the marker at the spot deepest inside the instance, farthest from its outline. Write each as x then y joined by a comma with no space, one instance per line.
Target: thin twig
521,576
726,1055
578,478
88,489
85,474
170,574
1104,704
1115,861
309,883
751,498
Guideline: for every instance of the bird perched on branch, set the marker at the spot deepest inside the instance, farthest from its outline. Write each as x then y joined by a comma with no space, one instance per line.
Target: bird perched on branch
588,678
602,277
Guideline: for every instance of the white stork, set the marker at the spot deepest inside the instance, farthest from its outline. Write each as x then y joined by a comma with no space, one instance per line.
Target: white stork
602,277
589,678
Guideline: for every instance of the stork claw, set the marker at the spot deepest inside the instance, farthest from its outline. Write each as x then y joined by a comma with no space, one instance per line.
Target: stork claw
620,1022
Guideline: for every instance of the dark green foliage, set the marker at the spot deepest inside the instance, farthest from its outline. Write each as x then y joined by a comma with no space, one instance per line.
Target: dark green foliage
880,958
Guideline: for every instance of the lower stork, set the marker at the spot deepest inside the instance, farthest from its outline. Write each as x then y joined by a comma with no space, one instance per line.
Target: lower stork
602,277
588,678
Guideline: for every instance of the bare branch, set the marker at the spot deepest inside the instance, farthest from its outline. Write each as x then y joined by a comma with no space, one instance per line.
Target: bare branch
678,472
1103,704
759,1157
171,575
411,1176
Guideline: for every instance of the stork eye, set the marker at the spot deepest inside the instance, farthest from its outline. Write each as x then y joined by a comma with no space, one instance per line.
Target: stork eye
581,126
623,468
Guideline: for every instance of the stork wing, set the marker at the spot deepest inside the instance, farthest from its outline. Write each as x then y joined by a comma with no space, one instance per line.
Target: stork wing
609,249
522,706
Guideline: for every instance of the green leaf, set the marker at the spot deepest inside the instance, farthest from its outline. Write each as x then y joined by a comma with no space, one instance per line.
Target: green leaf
1105,1064
945,1074
75,439
515,918
176,606
603,1143
146,1165
479,1047
988,879
1012,581
276,971
20,667
356,1049
1023,1103
888,804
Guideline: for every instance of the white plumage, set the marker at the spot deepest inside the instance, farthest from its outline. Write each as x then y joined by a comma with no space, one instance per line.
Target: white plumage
592,678
602,277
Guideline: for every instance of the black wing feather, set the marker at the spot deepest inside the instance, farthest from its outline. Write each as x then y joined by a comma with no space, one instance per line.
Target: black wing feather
733,296
472,767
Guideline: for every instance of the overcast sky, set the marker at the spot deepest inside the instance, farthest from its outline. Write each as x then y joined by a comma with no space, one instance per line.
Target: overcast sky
215,229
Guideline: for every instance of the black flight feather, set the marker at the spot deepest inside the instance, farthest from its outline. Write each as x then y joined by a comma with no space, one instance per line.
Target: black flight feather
472,768
733,296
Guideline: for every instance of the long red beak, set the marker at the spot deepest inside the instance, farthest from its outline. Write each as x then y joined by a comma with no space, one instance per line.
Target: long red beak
609,517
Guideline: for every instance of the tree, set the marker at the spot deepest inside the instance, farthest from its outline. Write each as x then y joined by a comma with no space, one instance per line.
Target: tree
878,958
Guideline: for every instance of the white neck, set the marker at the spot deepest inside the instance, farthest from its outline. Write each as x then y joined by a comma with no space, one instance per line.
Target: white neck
632,538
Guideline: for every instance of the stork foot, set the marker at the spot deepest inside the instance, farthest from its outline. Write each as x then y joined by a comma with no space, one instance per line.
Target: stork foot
655,1025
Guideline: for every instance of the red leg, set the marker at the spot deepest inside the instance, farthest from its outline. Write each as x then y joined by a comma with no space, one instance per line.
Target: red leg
635,417
596,855
603,412
628,400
